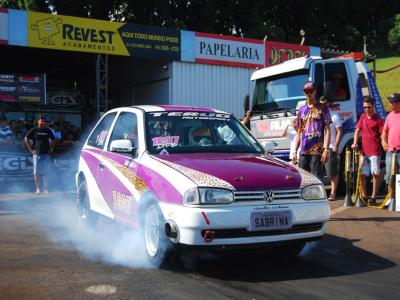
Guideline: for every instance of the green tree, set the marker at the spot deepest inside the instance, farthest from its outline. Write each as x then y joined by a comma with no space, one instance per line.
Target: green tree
394,33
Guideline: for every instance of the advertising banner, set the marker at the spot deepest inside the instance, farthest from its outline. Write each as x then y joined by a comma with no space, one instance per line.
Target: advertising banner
3,26
227,50
276,53
105,37
22,88
151,42
74,34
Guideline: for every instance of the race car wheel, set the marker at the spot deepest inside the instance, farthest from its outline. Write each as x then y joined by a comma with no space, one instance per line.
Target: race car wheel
154,236
85,216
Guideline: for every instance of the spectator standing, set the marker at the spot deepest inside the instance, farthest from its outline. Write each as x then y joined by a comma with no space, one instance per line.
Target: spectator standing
6,135
313,133
21,126
391,134
332,164
291,133
370,125
55,127
13,127
19,139
43,141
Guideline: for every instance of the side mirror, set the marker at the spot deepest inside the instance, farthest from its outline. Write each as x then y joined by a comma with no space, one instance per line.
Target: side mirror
269,146
122,146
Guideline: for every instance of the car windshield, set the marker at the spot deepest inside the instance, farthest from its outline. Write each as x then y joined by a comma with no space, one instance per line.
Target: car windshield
192,132
280,92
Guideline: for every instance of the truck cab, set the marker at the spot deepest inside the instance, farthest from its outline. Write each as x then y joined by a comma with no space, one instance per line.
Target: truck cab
279,94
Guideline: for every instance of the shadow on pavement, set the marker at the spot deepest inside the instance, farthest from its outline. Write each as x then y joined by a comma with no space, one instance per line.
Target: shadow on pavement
332,256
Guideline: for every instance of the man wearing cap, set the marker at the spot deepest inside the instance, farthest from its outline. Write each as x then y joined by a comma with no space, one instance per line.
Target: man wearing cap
313,133
332,164
6,135
41,148
370,125
391,134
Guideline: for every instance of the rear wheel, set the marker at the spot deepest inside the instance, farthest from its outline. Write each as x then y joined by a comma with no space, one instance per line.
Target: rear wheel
85,216
156,242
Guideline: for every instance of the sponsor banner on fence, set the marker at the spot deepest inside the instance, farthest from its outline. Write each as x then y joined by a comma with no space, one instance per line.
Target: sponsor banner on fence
105,37
276,53
3,26
74,34
151,42
22,88
228,50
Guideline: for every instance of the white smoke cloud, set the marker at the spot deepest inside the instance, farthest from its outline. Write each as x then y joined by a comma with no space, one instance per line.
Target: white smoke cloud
107,242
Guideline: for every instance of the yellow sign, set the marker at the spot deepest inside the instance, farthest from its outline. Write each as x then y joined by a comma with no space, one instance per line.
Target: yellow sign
74,34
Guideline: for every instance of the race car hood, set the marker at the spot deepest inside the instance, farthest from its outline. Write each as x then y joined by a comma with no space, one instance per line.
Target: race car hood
240,171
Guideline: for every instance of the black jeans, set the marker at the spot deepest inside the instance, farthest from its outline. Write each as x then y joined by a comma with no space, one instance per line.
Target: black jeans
312,164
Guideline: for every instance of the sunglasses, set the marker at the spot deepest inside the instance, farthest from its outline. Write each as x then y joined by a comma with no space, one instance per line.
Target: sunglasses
367,107
309,91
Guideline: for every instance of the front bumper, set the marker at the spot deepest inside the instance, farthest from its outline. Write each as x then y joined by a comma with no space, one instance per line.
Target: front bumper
231,225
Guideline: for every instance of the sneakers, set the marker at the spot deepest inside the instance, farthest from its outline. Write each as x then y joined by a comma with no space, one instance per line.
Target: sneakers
332,197
371,202
37,191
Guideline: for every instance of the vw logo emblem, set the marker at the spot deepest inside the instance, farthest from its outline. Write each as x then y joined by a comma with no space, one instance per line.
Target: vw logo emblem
269,196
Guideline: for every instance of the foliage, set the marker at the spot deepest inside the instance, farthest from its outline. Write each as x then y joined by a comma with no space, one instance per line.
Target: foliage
334,24
388,82
394,33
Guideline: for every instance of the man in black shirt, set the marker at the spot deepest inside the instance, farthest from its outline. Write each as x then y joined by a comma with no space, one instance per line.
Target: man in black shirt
42,145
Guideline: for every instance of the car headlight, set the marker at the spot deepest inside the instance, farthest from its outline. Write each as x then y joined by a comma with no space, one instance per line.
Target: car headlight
313,192
196,196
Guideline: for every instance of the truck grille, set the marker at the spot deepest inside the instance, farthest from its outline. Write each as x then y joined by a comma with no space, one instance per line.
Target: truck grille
279,195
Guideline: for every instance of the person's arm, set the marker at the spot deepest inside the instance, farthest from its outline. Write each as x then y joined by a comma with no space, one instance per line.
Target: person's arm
384,139
355,138
339,134
327,139
285,132
29,146
246,119
296,146
52,141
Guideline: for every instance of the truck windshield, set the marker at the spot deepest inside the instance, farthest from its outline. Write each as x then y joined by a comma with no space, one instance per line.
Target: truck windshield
280,92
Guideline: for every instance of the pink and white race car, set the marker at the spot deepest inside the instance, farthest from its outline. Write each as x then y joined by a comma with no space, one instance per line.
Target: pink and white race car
191,176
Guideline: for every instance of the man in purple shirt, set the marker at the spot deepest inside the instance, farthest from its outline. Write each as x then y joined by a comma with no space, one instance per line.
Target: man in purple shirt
313,132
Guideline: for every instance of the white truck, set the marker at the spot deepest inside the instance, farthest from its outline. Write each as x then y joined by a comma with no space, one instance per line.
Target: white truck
279,94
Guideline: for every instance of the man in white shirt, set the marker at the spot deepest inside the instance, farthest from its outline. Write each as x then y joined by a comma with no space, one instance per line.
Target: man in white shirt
332,164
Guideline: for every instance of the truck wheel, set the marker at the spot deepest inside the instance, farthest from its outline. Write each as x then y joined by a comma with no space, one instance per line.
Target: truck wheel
85,216
156,243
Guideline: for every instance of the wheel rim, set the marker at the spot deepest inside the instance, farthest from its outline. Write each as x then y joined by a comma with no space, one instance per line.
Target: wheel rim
152,230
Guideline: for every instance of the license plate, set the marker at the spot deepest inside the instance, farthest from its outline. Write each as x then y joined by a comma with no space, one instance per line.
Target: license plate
270,220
